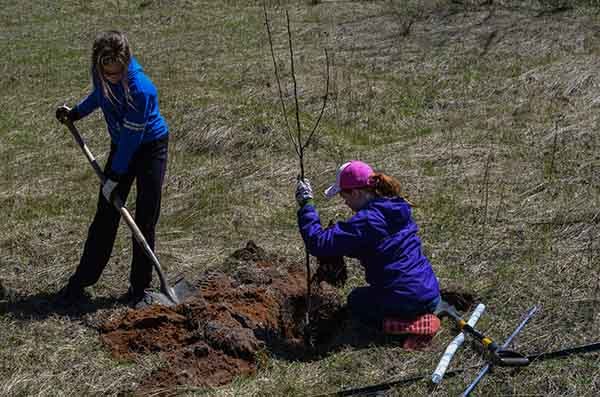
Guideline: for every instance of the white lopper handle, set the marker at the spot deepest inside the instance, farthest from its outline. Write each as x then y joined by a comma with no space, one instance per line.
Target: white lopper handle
442,366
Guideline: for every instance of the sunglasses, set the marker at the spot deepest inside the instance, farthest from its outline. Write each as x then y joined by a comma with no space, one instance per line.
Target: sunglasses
107,60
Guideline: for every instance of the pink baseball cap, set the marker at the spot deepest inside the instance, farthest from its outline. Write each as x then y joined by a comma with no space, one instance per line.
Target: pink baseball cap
351,175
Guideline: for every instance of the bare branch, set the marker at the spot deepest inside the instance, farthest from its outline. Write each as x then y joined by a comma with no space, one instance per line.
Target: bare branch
298,142
283,109
307,142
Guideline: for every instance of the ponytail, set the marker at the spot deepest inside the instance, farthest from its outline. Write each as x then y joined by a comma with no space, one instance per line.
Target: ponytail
384,185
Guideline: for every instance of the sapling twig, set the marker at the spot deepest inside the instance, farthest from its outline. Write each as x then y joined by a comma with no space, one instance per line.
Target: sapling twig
297,140
279,90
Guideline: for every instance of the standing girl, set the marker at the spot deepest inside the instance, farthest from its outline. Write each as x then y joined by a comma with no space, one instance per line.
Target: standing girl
382,235
139,144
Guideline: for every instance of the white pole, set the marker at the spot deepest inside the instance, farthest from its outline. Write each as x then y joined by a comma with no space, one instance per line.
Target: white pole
442,366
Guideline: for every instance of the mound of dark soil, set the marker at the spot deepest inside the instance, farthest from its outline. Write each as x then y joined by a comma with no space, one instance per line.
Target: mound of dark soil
216,334
462,300
254,302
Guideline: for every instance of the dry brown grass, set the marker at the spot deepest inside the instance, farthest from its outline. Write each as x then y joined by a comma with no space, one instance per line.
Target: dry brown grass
487,113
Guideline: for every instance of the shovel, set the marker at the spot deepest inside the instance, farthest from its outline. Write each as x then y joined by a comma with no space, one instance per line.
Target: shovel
168,296
501,357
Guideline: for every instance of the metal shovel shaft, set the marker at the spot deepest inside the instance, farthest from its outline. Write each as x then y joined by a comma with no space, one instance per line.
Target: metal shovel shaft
137,234
117,202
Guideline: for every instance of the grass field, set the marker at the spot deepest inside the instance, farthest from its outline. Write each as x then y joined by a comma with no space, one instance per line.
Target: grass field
486,111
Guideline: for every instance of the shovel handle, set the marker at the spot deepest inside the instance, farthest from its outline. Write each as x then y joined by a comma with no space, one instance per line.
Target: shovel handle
85,150
118,203
137,234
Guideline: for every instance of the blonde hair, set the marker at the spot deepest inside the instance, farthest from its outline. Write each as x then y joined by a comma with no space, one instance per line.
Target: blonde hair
111,47
383,185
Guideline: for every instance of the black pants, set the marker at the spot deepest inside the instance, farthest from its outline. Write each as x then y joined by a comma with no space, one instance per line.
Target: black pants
370,307
147,168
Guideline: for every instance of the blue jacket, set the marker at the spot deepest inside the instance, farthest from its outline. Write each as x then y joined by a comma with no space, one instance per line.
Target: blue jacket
383,236
128,126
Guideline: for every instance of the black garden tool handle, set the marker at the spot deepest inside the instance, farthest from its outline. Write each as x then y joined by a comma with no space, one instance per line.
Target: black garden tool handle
509,358
589,348
486,341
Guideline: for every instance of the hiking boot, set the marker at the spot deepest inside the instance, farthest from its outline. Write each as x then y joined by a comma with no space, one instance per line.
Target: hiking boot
135,298
71,296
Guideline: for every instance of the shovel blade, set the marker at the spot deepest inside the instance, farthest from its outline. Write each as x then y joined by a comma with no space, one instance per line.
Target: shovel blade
183,289
154,298
180,291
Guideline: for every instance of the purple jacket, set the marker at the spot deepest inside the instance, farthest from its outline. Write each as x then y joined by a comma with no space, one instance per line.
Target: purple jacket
383,236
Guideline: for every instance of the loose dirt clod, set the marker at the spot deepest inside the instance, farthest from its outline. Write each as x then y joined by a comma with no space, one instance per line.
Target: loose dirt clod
215,335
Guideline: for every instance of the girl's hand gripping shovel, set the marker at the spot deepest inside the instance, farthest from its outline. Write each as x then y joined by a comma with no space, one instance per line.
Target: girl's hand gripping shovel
168,295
